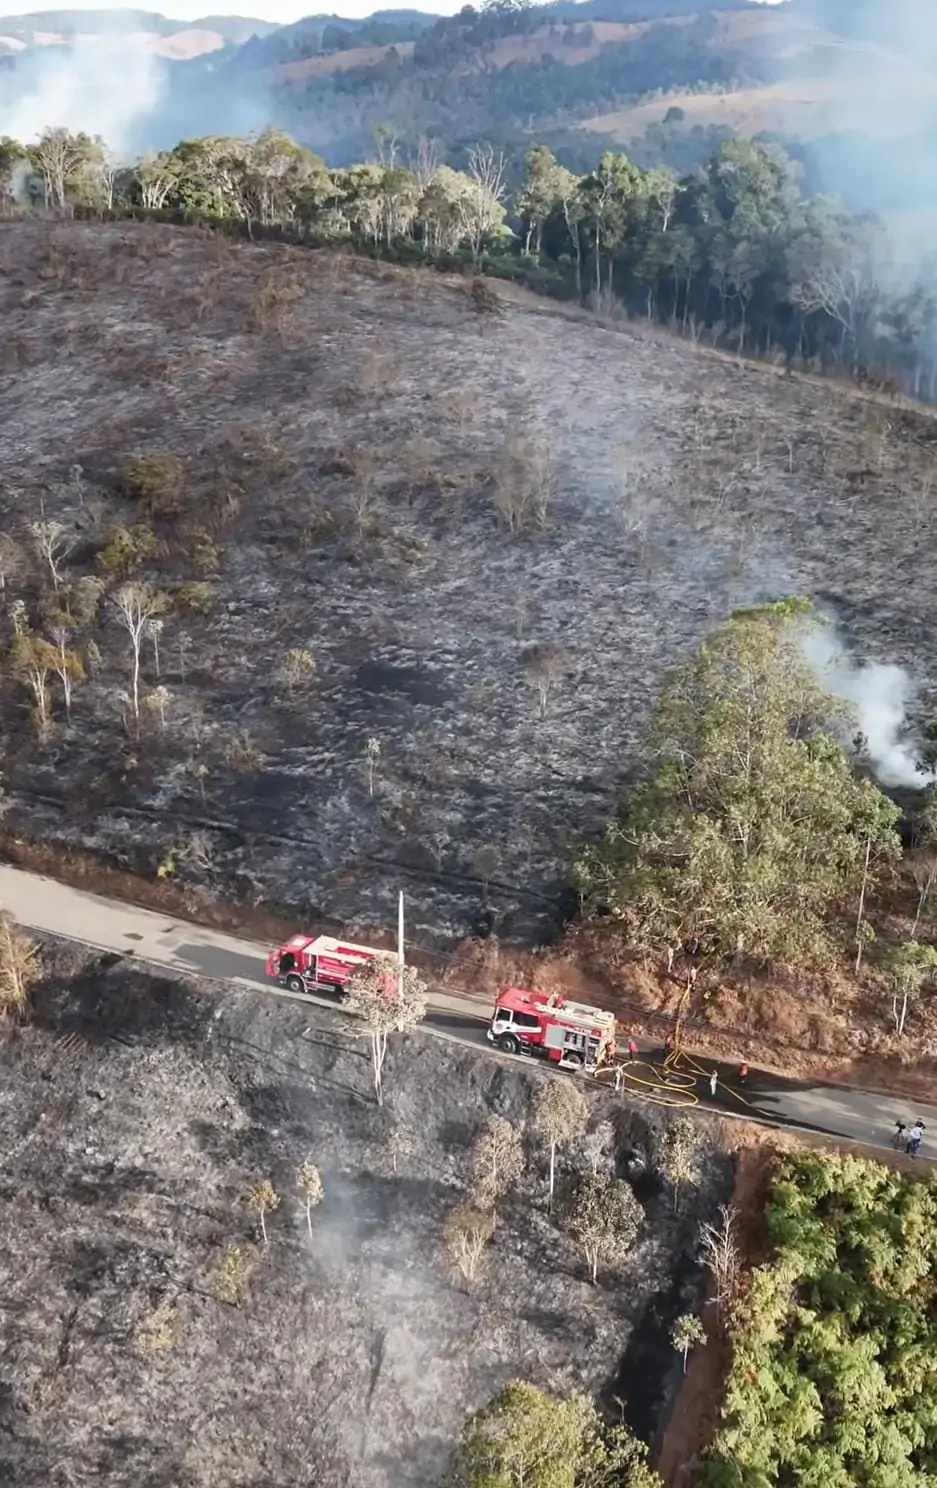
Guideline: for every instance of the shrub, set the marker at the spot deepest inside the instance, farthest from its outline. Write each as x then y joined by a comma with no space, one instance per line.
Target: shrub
155,482
126,548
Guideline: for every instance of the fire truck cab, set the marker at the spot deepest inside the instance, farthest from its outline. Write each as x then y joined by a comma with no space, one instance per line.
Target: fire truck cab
569,1034
311,963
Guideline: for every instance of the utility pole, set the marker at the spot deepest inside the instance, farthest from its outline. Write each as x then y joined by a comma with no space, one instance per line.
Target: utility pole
400,942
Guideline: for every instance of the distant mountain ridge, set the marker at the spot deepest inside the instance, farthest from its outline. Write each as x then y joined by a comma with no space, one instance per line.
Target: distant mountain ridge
156,33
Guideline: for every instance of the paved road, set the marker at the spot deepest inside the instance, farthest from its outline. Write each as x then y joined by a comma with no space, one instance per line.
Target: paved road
46,906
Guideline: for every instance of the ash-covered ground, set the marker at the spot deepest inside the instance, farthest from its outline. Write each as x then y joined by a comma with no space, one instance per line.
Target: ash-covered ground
353,444
135,1114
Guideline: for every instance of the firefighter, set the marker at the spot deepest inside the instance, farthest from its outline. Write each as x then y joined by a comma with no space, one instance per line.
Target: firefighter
915,1138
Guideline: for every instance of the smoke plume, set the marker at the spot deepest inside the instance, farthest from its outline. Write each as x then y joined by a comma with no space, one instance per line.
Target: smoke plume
880,696
102,85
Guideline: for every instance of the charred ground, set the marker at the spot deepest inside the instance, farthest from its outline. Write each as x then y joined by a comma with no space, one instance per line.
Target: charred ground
432,513
136,1114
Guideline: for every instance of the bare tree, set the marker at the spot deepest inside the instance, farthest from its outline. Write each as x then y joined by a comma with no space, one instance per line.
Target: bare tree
297,667
845,287
372,757
479,207
154,629
485,863
309,1183
544,664
19,967
679,1155
497,1160
158,700
263,1199
467,1232
68,666
686,1333
603,1219
390,998
524,482
598,1145
561,1112
186,647
426,162
11,561
53,544
924,873
401,1142
233,1272
136,605
719,1244
107,169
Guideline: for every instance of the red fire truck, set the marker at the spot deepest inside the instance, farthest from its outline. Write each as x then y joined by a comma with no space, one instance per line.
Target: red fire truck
567,1033
310,963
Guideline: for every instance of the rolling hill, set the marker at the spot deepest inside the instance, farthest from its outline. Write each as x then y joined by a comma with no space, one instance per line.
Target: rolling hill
147,30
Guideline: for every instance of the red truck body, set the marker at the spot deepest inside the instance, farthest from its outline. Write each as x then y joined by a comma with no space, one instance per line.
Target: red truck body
567,1033
308,962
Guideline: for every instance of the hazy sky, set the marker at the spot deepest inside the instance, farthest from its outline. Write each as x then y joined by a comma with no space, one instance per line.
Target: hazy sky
280,11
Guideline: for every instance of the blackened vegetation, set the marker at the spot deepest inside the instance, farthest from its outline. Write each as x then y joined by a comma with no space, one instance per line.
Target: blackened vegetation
362,516
354,1357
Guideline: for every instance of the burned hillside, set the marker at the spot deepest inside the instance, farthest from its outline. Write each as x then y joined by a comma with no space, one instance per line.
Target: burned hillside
138,1115
405,573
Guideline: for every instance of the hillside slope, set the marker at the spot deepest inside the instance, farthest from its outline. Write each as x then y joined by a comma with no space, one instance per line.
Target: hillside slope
365,517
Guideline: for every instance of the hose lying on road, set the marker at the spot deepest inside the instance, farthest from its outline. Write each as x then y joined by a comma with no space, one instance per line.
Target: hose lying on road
672,1083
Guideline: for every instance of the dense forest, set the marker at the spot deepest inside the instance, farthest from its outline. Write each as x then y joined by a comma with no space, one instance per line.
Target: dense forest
735,250
834,1345
575,75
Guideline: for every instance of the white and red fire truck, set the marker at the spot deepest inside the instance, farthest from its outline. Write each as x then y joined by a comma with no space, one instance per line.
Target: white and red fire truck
567,1033
311,963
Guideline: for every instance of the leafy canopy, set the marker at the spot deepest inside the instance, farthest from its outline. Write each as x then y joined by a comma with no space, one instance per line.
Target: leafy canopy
835,1350
525,1438
755,826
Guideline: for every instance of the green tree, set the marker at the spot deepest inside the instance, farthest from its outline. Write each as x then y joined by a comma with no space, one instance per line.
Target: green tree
755,825
547,183
686,1333
61,159
909,966
389,998
12,156
603,1219
526,1438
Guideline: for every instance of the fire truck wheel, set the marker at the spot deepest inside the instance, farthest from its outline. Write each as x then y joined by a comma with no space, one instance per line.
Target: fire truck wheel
295,984
509,1043
574,1061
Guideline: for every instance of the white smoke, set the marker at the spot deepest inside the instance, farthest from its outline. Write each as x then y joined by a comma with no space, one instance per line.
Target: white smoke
103,85
880,696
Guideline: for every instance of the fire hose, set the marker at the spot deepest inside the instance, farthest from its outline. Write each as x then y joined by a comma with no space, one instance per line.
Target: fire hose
671,1083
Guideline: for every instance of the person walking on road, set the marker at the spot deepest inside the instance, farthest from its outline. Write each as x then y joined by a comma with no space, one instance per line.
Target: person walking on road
713,1082
632,1051
915,1138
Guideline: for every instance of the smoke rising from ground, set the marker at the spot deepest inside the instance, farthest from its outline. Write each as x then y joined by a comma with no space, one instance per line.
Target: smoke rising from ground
103,85
880,696
876,62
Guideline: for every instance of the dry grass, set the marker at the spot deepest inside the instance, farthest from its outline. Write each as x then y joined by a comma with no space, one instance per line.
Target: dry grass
340,482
